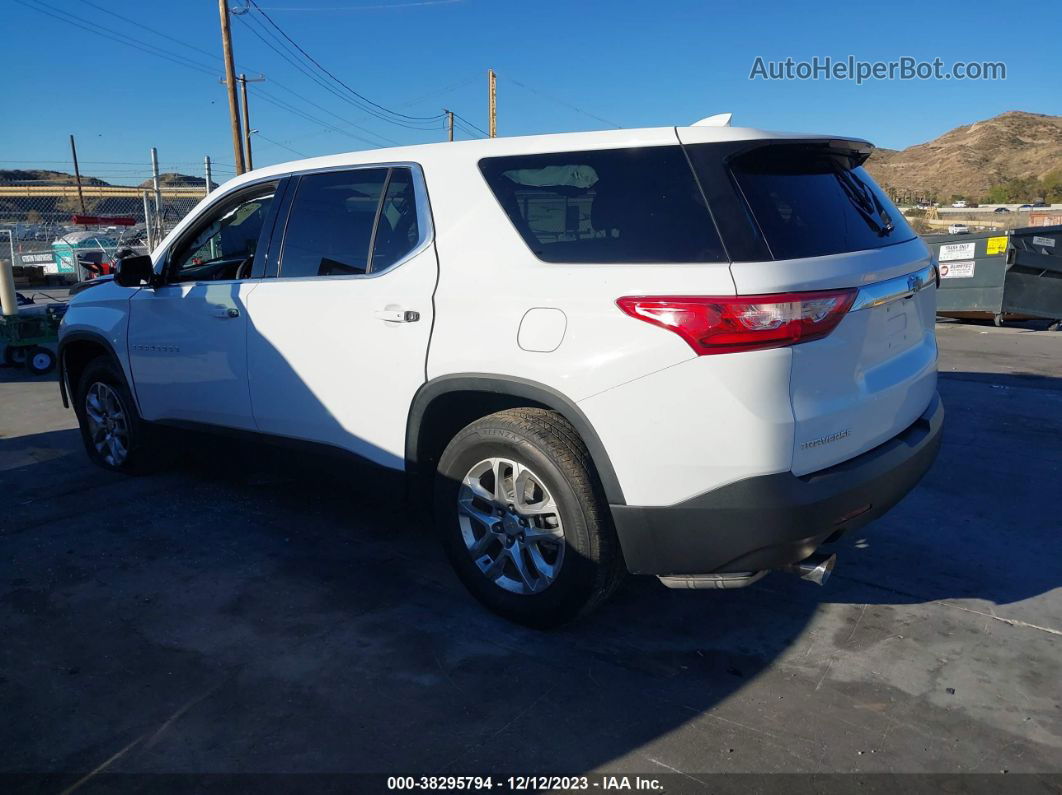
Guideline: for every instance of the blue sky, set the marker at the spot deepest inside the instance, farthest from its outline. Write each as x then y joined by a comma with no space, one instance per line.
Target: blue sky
630,63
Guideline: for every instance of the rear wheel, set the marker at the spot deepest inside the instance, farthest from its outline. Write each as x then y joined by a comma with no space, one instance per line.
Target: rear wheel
115,436
523,520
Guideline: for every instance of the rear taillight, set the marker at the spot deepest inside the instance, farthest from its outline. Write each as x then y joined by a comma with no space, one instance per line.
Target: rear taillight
729,324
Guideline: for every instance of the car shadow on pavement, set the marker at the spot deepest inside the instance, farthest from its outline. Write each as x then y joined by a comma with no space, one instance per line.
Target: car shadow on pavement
261,610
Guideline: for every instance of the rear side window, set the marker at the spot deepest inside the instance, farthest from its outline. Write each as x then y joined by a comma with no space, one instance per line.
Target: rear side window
810,201
330,225
606,206
398,231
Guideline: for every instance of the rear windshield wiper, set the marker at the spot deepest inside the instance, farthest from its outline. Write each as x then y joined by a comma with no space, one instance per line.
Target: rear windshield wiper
864,200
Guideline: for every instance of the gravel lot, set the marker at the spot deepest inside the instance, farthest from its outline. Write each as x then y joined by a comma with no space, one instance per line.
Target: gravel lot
243,614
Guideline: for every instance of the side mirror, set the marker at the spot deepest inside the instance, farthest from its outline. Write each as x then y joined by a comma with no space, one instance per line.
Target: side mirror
131,271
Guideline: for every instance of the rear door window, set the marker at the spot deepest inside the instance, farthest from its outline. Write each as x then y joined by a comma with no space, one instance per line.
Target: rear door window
811,200
614,205
330,225
398,232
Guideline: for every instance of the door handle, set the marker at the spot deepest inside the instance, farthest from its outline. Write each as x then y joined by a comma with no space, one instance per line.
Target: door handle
225,313
398,315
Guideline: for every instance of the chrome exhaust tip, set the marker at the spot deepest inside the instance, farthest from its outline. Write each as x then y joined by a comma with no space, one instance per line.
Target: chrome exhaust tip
815,568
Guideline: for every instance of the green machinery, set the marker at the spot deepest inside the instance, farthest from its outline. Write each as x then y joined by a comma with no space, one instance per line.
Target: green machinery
28,335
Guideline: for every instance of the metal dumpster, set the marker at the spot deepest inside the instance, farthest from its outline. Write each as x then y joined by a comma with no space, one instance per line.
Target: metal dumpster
972,272
1016,273
1033,284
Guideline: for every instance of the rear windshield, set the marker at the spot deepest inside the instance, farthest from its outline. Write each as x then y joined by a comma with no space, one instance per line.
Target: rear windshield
810,201
613,205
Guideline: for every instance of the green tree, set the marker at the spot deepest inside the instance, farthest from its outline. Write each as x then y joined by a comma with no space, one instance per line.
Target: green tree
1051,186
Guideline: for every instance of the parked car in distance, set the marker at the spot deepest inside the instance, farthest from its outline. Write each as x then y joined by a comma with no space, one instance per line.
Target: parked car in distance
958,204
1040,204
1025,207
699,353
958,229
1001,210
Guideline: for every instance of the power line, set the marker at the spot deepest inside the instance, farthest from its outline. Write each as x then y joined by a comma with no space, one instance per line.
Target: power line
151,30
566,104
308,117
88,26
336,79
319,81
470,124
282,146
292,57
218,57
375,7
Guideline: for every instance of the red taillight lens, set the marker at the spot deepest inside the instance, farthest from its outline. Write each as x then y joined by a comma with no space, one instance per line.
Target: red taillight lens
729,324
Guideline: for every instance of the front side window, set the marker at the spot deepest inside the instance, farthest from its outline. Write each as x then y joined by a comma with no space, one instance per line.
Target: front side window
223,247
613,205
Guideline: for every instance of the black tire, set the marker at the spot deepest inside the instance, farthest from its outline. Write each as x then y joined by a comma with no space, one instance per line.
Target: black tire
15,355
144,453
545,442
40,360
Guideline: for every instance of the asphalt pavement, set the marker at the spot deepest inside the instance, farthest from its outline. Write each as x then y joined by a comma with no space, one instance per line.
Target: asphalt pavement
251,611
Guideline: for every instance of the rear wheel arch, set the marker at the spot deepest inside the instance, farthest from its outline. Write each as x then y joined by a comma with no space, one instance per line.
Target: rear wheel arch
445,405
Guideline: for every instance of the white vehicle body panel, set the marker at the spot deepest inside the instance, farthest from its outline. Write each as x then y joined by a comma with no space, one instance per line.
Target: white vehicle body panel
699,425
326,368
188,352
308,358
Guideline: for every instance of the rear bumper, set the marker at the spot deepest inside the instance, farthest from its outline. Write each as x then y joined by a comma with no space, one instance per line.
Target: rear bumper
772,521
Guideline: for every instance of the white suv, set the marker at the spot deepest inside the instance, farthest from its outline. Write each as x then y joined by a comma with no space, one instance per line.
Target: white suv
698,353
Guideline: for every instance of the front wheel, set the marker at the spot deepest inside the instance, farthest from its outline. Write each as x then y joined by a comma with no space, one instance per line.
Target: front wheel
523,520
115,436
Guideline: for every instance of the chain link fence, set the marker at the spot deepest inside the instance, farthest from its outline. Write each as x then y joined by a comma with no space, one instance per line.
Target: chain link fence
54,232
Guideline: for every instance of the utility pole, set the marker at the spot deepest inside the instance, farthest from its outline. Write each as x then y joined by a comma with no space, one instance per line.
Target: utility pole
449,123
244,80
206,171
157,188
147,224
492,102
77,176
230,81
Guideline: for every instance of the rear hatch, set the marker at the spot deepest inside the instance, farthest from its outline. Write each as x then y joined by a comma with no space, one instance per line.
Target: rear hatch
825,225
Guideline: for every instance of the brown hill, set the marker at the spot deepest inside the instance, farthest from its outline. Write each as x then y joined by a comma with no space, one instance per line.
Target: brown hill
173,179
46,177
969,159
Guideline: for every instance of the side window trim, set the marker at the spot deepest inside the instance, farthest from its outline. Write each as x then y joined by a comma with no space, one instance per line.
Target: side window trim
260,268
376,219
280,226
422,207
228,200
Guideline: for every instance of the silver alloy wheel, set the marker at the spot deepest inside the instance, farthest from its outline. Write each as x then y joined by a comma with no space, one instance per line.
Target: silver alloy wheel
107,424
511,525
